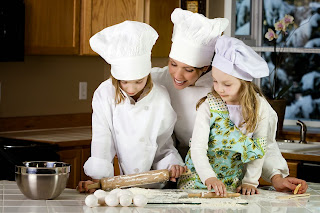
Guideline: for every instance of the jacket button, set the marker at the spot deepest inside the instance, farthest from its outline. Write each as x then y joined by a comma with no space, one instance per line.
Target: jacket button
141,139
146,107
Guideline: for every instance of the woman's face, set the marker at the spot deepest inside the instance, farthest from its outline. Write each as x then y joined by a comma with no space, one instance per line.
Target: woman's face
227,86
182,74
134,88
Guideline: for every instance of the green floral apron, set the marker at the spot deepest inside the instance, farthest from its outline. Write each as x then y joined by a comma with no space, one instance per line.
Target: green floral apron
228,150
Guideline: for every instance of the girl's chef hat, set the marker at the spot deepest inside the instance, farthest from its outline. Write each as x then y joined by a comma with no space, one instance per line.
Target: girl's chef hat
194,37
127,47
239,60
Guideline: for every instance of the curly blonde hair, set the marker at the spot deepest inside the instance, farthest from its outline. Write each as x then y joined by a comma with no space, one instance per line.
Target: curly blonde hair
249,103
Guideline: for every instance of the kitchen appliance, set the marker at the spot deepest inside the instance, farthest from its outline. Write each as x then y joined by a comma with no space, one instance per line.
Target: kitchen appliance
14,152
42,180
12,21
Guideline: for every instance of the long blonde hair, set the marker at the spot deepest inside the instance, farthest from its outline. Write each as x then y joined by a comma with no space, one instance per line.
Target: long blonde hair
248,101
119,96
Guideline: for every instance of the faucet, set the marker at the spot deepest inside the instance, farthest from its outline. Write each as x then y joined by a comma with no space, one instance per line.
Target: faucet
303,131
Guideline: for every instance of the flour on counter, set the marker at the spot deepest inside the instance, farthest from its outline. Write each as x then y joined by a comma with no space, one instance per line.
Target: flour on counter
179,197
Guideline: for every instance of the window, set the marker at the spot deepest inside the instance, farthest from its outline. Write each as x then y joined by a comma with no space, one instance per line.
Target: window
301,49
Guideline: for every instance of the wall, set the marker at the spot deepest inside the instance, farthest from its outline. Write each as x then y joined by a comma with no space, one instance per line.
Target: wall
49,85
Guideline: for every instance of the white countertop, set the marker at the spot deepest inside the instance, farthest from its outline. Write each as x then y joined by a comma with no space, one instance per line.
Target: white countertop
12,200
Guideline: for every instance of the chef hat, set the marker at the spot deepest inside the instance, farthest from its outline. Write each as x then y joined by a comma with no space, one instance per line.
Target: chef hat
127,47
194,37
239,60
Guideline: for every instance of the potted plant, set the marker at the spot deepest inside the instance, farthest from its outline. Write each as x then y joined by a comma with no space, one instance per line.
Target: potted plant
276,90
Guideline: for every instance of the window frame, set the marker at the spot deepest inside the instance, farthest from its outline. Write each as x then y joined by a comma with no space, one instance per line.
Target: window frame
255,41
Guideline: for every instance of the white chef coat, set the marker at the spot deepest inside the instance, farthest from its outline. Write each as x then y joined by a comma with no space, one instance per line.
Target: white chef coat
140,133
184,103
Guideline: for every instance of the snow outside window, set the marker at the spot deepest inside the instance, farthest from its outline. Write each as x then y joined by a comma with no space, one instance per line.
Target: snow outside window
301,66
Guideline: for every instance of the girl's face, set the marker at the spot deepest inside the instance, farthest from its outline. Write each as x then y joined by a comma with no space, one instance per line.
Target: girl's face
134,88
227,86
183,75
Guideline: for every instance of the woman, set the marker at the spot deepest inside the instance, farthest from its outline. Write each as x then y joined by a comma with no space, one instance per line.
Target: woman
188,78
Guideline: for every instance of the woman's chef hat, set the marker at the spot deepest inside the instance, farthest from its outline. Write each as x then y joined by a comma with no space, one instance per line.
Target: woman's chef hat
127,47
194,37
239,60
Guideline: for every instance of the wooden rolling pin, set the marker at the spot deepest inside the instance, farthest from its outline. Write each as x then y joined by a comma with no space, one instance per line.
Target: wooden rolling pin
211,195
123,181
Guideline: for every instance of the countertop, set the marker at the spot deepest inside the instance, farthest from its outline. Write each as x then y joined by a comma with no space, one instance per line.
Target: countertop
81,136
73,136
12,200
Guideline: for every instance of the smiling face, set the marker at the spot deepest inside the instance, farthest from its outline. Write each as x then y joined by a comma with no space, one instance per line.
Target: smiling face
227,86
134,88
183,75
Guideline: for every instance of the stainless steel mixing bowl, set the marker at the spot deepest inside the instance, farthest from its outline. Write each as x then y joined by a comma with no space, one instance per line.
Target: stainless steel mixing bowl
42,180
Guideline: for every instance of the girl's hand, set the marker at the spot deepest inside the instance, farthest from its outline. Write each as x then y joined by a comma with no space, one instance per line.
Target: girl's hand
176,171
247,189
217,185
83,186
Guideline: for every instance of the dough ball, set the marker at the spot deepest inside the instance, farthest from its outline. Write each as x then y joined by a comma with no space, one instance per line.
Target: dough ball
100,194
112,199
125,192
115,191
125,200
91,201
140,200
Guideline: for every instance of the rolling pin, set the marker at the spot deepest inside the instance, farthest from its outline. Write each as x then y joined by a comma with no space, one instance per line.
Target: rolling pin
124,181
211,195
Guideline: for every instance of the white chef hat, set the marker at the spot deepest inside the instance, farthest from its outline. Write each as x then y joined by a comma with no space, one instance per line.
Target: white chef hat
127,47
239,60
194,37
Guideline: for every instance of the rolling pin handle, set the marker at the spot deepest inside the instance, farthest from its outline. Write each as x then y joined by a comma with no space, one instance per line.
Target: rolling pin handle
94,186
194,195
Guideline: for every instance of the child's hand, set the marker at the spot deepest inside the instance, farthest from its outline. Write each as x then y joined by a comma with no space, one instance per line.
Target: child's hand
176,171
247,189
82,186
217,185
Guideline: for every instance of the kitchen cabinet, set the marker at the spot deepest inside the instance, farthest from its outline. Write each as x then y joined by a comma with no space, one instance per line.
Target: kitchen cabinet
293,171
52,27
85,154
76,157
73,157
64,27
99,14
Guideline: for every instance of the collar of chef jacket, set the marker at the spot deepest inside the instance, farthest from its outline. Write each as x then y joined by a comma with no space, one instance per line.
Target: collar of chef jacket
143,94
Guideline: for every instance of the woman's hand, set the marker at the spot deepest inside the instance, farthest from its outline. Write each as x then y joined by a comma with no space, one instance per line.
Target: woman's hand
83,186
247,189
176,171
288,184
217,185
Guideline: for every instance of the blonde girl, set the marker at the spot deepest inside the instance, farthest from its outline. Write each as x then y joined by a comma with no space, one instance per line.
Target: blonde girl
233,124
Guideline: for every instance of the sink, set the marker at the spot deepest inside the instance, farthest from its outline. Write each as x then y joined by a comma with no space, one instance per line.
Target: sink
298,147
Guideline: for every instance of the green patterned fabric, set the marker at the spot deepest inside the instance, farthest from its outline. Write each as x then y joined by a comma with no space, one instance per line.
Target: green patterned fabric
228,149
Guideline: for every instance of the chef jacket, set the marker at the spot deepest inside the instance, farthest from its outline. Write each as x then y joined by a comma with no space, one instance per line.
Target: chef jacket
140,133
184,103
